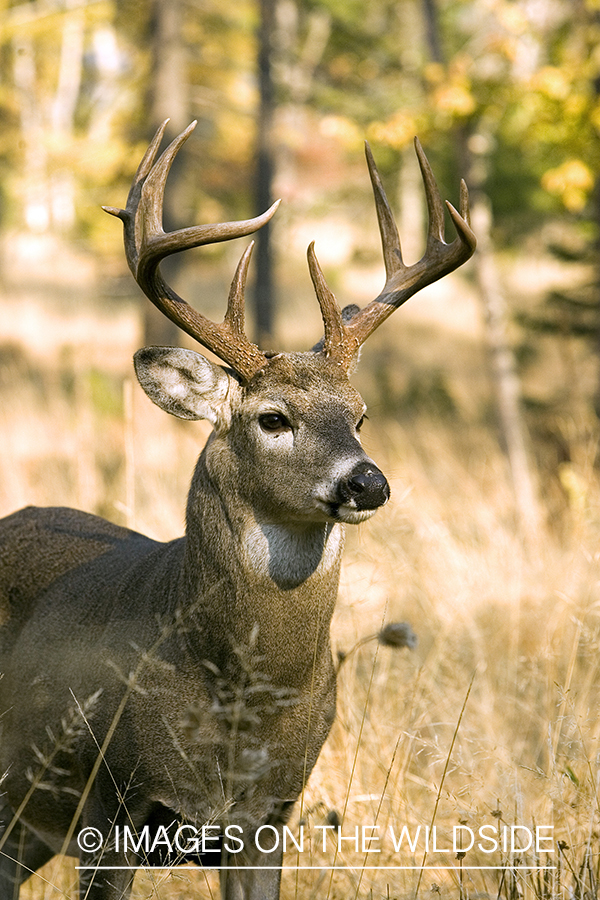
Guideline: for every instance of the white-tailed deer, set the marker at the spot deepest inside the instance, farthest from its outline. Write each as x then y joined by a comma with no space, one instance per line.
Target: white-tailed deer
151,689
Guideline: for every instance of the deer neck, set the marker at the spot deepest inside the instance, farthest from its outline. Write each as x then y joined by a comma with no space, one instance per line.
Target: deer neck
249,576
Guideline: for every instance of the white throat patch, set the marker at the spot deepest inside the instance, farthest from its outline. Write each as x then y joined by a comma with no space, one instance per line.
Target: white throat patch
288,557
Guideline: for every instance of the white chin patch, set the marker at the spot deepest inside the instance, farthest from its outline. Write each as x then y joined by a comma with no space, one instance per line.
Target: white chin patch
345,513
353,516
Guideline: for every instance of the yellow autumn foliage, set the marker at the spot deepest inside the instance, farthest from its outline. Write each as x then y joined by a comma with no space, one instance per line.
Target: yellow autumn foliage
572,181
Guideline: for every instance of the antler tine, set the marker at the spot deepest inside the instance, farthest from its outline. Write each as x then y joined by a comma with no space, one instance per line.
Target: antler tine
335,333
435,205
127,215
463,218
146,244
150,155
464,201
153,179
234,317
390,239
403,281
142,171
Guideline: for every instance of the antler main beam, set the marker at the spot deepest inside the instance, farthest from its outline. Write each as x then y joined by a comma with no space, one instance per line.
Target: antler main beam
146,244
343,339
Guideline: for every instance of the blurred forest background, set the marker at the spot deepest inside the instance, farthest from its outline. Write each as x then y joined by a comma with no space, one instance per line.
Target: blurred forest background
483,392
503,93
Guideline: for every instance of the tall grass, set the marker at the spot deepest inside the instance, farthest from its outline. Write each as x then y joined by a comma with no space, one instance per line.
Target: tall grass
492,719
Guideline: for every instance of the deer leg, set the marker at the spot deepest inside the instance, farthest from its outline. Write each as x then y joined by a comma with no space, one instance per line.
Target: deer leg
22,853
106,872
258,880
105,884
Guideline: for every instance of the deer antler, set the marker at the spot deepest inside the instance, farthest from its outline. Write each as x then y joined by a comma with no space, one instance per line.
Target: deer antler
146,244
343,338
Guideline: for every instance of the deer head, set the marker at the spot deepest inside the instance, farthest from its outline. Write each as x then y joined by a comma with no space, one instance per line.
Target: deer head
292,399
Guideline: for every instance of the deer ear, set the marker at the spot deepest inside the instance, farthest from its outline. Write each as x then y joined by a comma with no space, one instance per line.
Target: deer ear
185,384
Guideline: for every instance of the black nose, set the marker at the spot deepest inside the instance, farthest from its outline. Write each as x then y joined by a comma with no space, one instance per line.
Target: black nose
366,485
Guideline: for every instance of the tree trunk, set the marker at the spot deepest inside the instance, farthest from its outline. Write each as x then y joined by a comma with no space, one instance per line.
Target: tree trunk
432,31
168,99
35,158
505,378
64,107
596,216
504,371
169,91
264,290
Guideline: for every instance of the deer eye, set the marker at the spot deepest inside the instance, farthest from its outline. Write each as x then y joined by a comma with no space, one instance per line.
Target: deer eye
273,423
361,422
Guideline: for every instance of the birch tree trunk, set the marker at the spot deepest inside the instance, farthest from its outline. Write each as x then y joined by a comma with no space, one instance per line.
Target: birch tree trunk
513,429
64,107
35,158
505,378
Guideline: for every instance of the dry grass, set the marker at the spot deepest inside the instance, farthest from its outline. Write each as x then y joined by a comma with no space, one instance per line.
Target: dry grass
512,623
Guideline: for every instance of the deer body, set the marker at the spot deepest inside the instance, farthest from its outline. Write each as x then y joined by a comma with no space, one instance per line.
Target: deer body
148,685
246,596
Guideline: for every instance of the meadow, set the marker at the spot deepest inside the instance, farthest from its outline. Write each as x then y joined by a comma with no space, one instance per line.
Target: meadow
491,721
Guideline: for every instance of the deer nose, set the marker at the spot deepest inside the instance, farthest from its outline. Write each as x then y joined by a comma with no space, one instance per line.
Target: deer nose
367,486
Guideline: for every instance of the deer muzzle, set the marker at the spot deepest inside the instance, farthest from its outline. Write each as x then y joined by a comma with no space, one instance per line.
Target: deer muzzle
366,487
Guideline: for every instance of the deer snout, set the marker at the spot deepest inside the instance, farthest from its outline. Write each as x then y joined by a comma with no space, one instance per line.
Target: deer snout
366,485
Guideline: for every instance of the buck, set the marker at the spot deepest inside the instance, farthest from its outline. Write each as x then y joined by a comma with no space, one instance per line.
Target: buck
151,692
